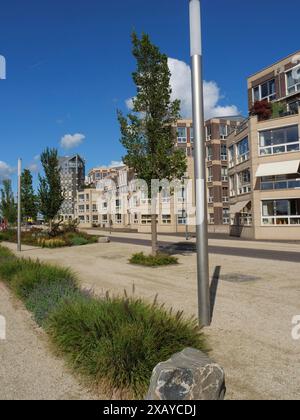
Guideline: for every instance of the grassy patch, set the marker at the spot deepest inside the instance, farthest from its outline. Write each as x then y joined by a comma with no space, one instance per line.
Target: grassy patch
153,261
113,341
120,340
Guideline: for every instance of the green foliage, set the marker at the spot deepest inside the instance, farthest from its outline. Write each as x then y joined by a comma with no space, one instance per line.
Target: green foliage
153,260
28,198
114,341
46,298
120,340
50,192
148,133
8,206
33,273
278,108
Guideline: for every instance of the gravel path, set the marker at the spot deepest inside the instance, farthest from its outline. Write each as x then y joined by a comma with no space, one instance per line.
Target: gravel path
28,370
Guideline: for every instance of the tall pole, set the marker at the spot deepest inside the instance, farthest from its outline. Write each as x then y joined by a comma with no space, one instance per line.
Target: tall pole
19,203
200,165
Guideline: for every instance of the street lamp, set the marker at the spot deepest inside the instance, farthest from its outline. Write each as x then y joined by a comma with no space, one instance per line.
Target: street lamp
19,203
200,165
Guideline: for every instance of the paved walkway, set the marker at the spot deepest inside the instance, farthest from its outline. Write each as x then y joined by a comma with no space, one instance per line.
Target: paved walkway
28,370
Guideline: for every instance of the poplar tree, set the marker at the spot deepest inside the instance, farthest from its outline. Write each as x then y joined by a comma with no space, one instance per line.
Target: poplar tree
148,132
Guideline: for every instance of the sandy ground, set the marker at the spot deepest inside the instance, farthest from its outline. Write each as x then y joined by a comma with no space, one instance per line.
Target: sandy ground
28,370
250,334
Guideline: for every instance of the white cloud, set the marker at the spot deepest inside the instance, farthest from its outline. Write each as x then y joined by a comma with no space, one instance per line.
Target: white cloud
5,171
181,89
70,141
33,167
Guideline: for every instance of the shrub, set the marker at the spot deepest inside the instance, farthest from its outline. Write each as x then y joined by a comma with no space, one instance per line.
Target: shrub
31,273
120,341
51,243
78,241
153,261
46,298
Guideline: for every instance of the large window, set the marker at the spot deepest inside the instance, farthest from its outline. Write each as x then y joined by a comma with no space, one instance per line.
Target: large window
223,131
182,135
281,212
279,140
244,182
223,152
293,80
265,91
243,150
231,156
281,182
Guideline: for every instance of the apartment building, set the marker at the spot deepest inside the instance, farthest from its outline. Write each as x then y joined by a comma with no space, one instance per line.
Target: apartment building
264,158
98,174
216,132
72,175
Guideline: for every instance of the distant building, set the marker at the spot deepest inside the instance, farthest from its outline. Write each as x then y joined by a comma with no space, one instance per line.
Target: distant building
98,174
72,173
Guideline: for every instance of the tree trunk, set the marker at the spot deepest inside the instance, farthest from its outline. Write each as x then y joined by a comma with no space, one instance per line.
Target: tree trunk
154,234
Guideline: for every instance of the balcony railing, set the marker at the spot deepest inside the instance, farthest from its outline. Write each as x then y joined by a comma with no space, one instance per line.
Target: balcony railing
281,185
244,189
280,148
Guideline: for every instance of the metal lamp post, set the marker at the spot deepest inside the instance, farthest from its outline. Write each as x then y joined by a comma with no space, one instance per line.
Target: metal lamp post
19,203
200,165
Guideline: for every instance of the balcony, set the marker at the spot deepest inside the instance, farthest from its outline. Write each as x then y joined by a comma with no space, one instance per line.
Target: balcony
280,148
281,185
244,189
242,158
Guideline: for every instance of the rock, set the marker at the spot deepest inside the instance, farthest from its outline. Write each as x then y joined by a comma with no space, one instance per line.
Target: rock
104,240
189,375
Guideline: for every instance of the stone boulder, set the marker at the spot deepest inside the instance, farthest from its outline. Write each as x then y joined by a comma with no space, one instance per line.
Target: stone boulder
104,240
189,375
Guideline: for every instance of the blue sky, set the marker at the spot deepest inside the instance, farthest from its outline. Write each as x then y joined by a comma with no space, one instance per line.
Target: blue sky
69,65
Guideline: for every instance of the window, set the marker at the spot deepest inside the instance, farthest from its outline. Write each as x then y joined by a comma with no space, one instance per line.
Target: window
223,131
231,156
208,132
181,194
81,219
226,216
244,182
224,173
182,217
81,197
232,186
281,182
210,174
181,135
166,219
104,218
81,209
95,219
243,150
147,219
209,152
192,134
265,91
279,140
95,209
135,218
225,197
210,195
281,212
211,219
118,219
223,152
293,80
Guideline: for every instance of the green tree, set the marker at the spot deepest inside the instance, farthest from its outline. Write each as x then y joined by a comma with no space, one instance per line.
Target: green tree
148,132
8,206
50,194
28,198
